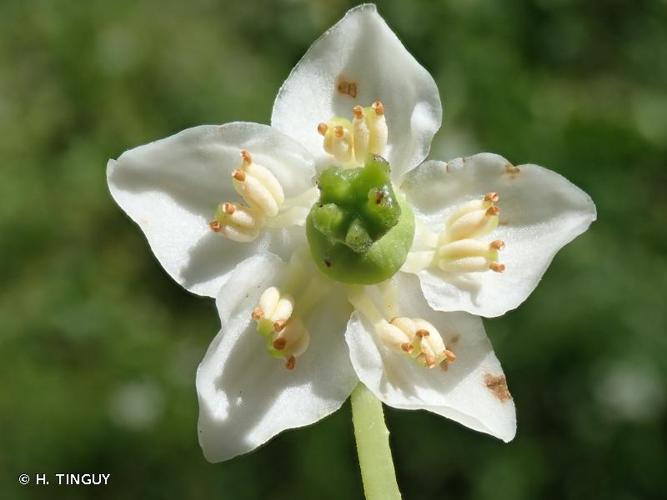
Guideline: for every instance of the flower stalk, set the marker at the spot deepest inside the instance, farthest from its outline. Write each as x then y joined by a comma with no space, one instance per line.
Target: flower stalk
372,437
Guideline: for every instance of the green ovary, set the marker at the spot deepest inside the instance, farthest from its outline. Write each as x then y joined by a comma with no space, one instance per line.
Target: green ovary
359,231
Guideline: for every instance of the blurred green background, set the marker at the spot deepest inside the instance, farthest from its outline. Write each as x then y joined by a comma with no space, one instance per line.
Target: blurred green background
98,347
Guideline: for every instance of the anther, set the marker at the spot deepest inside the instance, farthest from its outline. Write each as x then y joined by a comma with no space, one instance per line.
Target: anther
215,226
451,357
492,210
422,333
279,326
492,197
257,313
378,107
239,175
339,131
497,245
497,267
358,112
322,129
228,208
407,347
245,156
279,344
291,363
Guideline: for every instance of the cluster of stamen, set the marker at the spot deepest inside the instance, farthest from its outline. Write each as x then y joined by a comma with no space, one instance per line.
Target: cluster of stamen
286,335
459,247
418,339
352,142
263,196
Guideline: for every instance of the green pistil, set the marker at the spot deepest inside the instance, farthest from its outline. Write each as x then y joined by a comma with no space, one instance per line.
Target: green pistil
359,231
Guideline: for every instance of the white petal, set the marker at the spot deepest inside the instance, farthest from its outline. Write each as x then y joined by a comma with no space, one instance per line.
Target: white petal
471,391
362,49
540,212
245,396
172,187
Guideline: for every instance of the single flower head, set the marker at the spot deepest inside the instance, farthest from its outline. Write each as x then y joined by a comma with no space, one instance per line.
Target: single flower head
330,247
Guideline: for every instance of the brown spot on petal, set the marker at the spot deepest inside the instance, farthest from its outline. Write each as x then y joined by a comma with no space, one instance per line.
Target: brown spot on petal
347,87
497,384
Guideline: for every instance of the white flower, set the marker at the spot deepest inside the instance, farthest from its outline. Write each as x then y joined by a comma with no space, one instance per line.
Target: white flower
286,355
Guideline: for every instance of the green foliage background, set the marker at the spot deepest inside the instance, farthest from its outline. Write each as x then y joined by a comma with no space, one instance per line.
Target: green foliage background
91,326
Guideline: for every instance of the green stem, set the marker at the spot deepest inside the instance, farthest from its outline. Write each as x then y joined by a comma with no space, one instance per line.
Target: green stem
372,436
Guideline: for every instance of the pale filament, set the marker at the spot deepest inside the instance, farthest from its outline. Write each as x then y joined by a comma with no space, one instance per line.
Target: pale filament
352,142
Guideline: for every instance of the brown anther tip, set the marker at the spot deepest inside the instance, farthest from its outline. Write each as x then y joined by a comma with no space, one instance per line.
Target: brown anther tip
492,210
407,347
444,366
239,175
245,156
422,333
497,245
497,267
279,325
279,344
257,313
450,356
215,226
228,208
429,360
322,128
358,111
492,197
378,107
291,363
339,131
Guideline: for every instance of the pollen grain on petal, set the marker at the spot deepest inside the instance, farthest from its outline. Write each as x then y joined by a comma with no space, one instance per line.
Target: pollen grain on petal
497,384
346,87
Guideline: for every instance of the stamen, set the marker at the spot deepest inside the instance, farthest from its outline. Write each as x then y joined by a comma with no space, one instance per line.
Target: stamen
497,267
352,142
493,210
239,175
279,326
286,335
497,245
378,107
257,313
228,208
492,197
416,338
245,156
280,343
215,226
